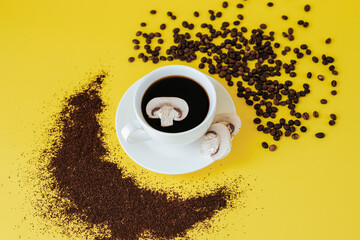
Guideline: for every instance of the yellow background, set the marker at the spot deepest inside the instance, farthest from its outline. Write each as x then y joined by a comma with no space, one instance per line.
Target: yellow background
307,189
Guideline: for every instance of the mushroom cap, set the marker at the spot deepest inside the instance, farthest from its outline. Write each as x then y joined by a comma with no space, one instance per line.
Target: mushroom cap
230,120
217,142
178,104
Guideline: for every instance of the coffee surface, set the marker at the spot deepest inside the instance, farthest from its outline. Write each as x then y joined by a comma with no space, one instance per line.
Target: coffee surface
184,88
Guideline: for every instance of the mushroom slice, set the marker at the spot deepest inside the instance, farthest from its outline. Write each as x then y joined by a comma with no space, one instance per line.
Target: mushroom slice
230,120
217,142
167,109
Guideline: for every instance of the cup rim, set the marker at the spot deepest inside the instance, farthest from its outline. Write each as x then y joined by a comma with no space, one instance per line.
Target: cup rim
210,90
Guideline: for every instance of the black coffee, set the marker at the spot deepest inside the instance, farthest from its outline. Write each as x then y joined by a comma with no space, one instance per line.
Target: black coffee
180,87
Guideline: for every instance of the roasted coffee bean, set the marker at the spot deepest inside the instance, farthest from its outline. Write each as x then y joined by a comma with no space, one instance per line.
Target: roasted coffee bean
307,8
303,46
240,5
333,83
320,135
163,26
270,4
328,41
257,120
131,59
333,92
231,83
263,26
240,17
315,114
153,12
138,33
201,65
335,73
270,124
297,123
306,116
321,77
272,148
267,130
136,47
306,86
225,4
290,30
308,52
315,59
306,24
284,17
264,145
333,116
173,17
331,122
196,14
295,136
143,24
287,133
298,115
236,23
323,101
303,129
282,121
218,14
300,22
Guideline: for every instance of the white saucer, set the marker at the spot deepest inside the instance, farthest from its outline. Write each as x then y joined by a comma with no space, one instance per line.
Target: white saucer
162,158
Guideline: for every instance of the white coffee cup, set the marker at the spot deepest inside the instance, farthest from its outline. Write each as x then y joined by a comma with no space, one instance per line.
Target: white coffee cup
139,130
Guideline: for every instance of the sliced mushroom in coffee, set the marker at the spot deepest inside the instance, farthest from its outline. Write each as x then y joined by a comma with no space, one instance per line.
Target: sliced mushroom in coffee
217,142
167,109
230,120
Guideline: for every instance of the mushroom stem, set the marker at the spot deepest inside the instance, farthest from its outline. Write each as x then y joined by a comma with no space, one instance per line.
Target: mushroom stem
167,114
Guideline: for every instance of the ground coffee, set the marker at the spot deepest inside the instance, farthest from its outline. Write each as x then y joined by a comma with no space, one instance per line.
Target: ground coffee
90,188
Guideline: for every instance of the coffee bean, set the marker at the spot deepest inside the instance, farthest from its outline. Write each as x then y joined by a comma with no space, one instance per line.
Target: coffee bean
160,41
335,73
201,65
295,136
218,14
264,145
284,17
260,128
263,26
138,33
131,59
153,12
267,130
306,116
257,120
291,37
298,115
196,14
270,124
320,135
244,29
307,8
143,24
191,26
303,46
297,123
331,122
270,4
236,23
240,5
173,17
333,83
169,14
163,26
333,92
315,59
333,116
225,4
300,22
328,41
306,24
287,133
230,83
315,114
212,17
323,101
321,77
293,74
240,17
272,148
303,129
136,47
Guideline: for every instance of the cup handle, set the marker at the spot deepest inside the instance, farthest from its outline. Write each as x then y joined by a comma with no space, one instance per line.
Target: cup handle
133,132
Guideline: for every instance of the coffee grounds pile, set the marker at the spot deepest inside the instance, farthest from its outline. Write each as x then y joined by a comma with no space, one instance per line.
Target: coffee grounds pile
97,192
230,60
